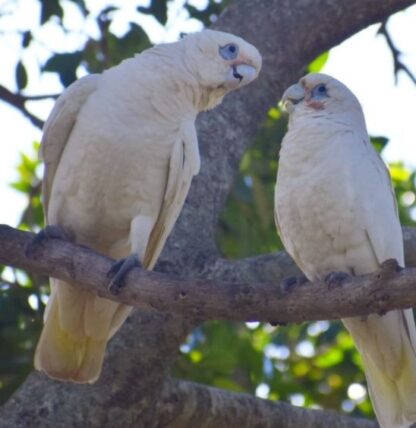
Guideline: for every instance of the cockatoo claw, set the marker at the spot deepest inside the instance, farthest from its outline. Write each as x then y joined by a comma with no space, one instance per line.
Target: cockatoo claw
50,231
278,323
390,265
335,279
288,284
119,270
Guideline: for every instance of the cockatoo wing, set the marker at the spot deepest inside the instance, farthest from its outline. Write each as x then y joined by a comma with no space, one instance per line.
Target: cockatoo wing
377,198
60,354
184,164
58,128
387,343
287,243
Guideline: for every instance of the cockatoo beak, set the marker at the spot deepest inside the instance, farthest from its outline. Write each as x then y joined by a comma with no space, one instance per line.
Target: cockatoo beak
245,73
293,95
244,70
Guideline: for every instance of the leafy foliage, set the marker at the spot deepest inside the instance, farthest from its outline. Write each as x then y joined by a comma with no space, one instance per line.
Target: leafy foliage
50,8
65,65
21,76
251,201
310,364
159,9
208,14
22,295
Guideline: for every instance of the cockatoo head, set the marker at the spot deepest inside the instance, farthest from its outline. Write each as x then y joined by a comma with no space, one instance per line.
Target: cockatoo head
317,92
221,62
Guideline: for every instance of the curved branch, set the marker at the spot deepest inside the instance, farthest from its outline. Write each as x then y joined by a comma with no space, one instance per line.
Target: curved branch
18,101
224,409
203,299
398,64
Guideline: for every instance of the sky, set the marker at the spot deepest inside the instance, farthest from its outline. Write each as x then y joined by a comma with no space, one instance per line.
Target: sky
363,63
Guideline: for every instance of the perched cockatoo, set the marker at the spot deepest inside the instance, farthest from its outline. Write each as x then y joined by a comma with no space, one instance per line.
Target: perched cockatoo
336,212
120,150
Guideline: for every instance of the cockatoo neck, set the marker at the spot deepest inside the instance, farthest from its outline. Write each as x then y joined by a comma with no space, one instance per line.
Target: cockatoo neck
178,84
311,134
322,119
207,98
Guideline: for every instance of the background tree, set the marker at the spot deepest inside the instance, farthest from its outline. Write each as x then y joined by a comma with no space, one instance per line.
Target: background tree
311,365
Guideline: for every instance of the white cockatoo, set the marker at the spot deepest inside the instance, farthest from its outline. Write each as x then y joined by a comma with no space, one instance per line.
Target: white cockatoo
336,212
120,150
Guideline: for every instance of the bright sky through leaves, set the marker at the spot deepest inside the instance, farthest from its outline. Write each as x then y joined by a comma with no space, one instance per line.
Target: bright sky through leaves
363,63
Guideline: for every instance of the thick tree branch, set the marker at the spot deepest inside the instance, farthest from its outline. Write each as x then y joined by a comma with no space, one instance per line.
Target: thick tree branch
223,409
203,299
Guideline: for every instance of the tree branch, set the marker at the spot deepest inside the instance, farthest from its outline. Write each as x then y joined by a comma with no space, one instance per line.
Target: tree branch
398,64
203,299
18,101
224,409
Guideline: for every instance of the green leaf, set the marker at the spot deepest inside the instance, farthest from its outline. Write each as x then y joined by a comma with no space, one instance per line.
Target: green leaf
157,8
117,48
379,143
21,186
399,172
21,76
208,14
227,383
26,39
134,41
65,65
318,63
330,358
50,8
274,113
82,6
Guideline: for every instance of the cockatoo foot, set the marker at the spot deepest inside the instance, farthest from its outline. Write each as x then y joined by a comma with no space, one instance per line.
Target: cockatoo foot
288,284
335,279
51,231
119,270
278,323
390,266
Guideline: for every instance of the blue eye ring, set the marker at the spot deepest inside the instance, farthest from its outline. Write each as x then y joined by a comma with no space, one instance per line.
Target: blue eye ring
320,92
229,51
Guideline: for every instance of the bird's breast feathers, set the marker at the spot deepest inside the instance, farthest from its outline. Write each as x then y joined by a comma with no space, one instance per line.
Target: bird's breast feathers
319,202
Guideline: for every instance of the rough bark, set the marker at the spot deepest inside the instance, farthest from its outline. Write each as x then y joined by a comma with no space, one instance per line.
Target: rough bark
189,405
129,393
203,299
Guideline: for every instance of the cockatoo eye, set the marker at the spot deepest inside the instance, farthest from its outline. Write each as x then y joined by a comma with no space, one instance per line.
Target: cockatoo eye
320,91
229,51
